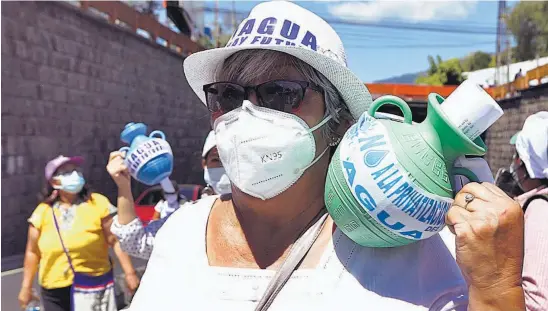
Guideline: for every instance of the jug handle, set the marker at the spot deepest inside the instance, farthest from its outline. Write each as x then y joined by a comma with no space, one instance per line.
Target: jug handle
124,151
466,173
159,133
396,101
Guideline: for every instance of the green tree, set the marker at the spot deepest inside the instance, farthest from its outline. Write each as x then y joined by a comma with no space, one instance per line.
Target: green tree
476,61
223,39
433,65
528,23
205,42
210,43
504,58
440,73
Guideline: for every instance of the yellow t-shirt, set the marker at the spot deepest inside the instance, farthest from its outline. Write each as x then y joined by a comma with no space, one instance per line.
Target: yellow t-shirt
83,237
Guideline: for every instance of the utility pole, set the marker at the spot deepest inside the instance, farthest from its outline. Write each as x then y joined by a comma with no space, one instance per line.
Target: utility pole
217,26
234,16
508,47
500,34
536,40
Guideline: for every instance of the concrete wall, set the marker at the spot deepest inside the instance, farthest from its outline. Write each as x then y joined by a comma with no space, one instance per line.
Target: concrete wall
516,110
70,82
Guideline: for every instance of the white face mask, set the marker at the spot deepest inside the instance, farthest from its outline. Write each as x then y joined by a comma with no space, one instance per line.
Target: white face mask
265,151
218,180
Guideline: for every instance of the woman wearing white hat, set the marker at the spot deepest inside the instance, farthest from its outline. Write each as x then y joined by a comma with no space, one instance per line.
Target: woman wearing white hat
281,96
528,176
214,173
214,176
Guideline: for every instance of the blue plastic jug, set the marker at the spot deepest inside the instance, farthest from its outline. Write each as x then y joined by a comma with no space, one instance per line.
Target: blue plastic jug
148,158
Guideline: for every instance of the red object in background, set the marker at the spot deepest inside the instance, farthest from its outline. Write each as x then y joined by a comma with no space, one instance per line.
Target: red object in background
145,202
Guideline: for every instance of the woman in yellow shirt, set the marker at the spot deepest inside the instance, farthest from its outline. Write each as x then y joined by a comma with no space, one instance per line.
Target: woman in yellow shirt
68,239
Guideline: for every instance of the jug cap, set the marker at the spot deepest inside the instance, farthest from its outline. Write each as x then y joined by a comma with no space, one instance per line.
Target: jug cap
471,109
131,130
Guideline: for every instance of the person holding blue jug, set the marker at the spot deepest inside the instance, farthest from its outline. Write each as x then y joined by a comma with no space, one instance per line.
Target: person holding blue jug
137,239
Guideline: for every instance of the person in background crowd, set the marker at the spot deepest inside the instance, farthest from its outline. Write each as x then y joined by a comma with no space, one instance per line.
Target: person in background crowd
214,173
170,203
518,75
69,232
138,240
529,167
281,97
529,174
214,176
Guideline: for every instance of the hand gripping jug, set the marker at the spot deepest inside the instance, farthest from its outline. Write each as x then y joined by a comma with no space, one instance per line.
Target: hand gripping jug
148,158
389,183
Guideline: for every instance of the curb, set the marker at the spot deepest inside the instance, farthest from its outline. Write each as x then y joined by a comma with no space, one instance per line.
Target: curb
12,262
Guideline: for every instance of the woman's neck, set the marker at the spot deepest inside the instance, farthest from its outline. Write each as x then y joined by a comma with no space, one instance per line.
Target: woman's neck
271,226
67,198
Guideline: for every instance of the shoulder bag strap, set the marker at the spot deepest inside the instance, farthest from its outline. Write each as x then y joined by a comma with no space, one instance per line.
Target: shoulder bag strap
61,239
535,197
295,256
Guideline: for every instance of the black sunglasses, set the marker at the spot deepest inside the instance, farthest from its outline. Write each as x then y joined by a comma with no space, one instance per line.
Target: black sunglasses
280,95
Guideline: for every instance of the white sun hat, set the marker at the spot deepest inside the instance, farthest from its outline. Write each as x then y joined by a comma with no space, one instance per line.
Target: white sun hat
532,144
285,27
210,142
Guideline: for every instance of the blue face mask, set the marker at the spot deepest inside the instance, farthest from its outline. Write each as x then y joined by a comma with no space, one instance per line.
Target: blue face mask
218,180
71,183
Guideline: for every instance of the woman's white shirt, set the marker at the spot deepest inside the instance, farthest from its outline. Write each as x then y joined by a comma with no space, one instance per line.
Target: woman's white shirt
420,276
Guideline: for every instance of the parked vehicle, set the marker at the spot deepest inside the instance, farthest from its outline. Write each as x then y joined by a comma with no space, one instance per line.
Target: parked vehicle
145,202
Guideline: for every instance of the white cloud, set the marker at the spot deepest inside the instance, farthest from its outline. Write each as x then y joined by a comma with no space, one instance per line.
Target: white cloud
410,10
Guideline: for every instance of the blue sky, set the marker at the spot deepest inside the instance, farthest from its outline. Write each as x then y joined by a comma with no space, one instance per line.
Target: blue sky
375,53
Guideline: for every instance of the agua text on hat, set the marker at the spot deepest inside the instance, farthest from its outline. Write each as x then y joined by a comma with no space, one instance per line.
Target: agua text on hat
271,31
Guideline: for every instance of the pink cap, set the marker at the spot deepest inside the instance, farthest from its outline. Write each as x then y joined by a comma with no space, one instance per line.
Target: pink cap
54,164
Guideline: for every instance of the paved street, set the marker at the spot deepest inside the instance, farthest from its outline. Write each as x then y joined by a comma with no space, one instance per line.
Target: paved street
11,282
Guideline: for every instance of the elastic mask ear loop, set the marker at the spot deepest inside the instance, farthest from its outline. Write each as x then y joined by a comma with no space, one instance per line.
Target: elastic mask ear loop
316,159
323,122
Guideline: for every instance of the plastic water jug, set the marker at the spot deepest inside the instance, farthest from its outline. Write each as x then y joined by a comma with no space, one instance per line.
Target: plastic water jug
389,182
148,158
34,304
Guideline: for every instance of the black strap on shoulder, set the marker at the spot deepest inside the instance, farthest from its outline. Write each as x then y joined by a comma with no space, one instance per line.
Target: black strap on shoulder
535,197
294,258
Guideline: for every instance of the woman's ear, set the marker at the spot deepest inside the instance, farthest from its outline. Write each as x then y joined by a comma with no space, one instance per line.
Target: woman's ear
343,126
204,163
54,182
